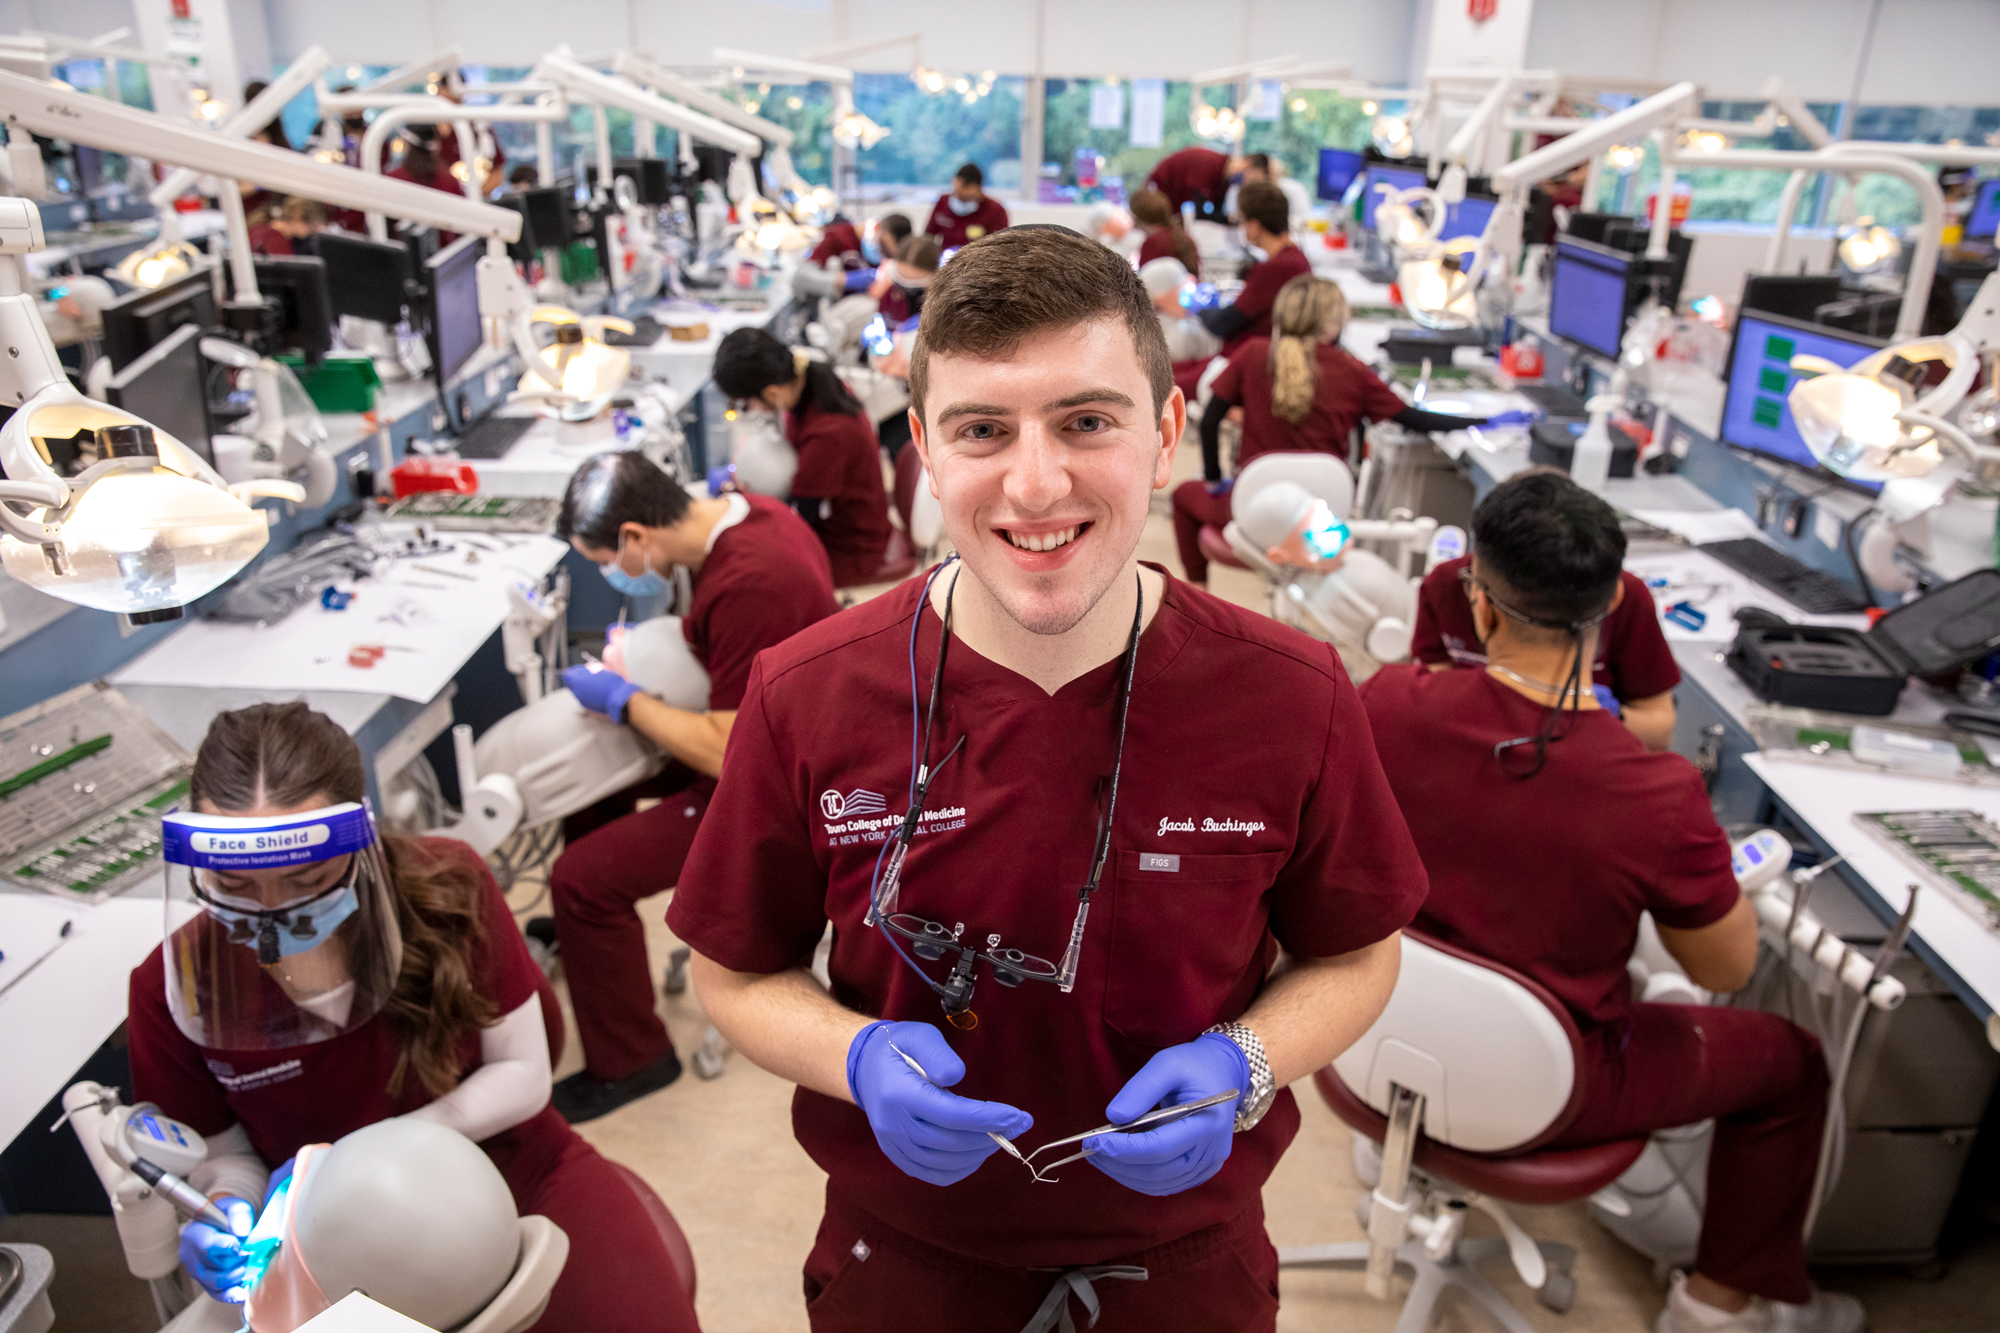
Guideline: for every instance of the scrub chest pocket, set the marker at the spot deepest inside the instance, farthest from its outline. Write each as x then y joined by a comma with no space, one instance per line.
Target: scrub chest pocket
1187,940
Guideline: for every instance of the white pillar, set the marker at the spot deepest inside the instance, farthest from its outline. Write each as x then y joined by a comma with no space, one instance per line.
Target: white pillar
203,45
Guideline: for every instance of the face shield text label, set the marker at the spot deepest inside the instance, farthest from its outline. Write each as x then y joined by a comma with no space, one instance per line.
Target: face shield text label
261,841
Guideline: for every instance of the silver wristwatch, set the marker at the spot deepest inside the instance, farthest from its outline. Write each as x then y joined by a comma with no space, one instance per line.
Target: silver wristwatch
1263,1088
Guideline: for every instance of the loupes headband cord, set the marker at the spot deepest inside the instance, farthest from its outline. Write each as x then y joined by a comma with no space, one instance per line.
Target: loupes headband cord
1571,694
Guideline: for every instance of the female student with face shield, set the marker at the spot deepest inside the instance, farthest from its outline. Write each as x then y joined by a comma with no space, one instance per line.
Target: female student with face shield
838,488
335,977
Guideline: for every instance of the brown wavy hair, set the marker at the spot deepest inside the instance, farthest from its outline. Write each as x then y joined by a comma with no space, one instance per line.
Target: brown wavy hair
289,755
1150,208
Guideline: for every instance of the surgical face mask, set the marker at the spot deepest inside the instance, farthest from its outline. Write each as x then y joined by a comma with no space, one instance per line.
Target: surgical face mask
282,932
871,252
1256,252
965,208
647,583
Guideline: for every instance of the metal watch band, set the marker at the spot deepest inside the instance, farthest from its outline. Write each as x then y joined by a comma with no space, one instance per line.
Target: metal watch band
1263,1088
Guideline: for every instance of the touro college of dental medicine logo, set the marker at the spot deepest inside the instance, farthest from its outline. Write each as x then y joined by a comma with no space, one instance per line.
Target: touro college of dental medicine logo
857,802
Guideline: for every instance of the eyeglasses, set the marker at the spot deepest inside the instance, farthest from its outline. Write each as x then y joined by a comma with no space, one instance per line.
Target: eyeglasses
933,941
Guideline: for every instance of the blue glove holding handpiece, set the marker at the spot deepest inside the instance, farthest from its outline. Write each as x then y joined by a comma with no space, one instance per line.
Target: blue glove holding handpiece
927,1132
213,1257
600,689
1185,1153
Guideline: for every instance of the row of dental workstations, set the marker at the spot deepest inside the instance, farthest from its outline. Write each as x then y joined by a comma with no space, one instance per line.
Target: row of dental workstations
1799,429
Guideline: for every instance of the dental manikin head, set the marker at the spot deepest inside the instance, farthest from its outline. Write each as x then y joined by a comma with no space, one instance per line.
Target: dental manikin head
1045,410
412,1213
1163,280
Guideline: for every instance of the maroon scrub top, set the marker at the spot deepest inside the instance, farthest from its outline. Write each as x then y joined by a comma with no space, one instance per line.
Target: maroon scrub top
840,464
1260,293
1160,245
317,1093
839,241
1347,395
1191,176
953,231
1266,823
1632,653
1546,874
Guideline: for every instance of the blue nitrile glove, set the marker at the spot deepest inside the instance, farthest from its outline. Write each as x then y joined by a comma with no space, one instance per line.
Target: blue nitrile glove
600,689
1607,700
1186,1153
859,280
277,1181
927,1132
1514,417
213,1257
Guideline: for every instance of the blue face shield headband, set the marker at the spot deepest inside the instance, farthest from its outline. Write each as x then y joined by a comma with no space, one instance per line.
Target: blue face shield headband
216,845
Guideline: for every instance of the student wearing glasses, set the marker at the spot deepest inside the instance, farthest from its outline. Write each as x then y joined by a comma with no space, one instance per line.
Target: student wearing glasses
1548,828
1077,865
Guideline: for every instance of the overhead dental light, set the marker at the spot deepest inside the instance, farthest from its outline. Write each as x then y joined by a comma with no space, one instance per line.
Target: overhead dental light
143,526
1706,141
152,266
1875,420
578,368
1393,137
1866,247
1625,158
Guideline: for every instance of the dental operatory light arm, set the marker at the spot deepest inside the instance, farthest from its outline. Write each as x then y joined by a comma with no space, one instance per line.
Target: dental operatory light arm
255,114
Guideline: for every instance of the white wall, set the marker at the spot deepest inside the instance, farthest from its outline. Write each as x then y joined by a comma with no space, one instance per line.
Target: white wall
1082,37
1925,52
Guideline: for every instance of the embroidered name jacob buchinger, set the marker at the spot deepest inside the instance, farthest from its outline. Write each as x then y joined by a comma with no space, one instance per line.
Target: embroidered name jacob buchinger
1247,827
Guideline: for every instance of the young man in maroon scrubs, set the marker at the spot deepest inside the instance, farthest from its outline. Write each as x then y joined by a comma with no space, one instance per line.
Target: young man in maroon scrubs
1547,829
1633,660
1198,176
1102,737
965,212
760,576
1267,226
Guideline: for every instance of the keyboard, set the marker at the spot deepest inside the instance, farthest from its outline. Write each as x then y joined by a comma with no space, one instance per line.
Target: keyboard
1553,399
1807,588
493,436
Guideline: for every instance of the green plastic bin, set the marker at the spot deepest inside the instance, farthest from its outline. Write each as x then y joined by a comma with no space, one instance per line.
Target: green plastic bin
339,383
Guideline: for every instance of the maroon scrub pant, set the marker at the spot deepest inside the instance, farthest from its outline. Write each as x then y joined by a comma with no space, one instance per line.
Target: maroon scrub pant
595,884
864,1276
1194,509
1764,1081
619,1277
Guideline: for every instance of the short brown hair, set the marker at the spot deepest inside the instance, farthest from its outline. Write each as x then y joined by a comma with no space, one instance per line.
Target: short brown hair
1266,203
920,252
1026,280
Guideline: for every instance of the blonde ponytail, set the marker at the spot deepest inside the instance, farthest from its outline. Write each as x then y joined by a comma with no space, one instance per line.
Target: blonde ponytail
1308,310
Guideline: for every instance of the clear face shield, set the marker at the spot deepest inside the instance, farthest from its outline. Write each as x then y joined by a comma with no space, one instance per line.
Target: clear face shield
296,940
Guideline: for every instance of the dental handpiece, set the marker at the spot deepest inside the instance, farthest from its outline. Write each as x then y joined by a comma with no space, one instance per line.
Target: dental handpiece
181,1194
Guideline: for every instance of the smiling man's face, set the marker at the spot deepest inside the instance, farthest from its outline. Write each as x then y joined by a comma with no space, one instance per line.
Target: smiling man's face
1044,460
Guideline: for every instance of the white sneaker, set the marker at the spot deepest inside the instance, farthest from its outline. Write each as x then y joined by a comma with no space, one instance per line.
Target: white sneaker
1826,1312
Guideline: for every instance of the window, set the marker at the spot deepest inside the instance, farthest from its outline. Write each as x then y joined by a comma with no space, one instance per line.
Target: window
933,133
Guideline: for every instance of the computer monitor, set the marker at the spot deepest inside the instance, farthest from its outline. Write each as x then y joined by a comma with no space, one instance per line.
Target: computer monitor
1337,170
454,332
305,308
1467,217
1587,295
651,175
168,386
1635,237
364,278
549,209
1403,178
522,251
1984,219
140,321
1793,295
1756,411
1590,226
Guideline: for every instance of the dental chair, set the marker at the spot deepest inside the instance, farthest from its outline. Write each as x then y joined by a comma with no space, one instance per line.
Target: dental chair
1465,1078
